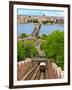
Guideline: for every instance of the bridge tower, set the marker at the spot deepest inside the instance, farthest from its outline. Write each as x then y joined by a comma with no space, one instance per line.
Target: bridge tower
36,30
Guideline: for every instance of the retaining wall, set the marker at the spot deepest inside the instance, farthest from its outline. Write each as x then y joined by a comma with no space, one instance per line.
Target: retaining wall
54,71
23,67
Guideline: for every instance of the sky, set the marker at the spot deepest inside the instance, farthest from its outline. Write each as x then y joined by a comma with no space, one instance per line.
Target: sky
32,12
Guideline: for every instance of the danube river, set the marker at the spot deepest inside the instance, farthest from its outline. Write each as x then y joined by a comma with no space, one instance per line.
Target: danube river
45,28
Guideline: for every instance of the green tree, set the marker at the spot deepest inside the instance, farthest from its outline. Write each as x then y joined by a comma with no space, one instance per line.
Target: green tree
21,53
30,48
54,47
23,35
33,52
44,36
26,49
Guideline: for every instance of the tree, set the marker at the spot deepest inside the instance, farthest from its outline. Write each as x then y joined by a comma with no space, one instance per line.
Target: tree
21,53
54,47
30,48
44,36
33,52
23,35
26,49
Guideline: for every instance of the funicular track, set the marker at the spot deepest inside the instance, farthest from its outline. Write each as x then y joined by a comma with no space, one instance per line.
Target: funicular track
35,73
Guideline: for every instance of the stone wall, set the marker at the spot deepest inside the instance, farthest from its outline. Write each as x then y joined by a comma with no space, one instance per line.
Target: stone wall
23,67
54,71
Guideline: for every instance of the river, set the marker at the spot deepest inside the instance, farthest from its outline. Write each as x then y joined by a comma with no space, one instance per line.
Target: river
45,28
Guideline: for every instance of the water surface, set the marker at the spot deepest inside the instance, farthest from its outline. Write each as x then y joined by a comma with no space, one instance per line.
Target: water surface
45,28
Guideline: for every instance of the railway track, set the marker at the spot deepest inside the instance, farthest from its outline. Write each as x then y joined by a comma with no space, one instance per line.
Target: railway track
36,74
29,74
42,75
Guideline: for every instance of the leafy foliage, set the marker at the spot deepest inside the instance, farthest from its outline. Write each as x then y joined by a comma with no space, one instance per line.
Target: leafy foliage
21,52
44,36
23,35
53,47
26,49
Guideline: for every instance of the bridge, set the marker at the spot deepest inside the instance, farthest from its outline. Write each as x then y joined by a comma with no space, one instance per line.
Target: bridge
39,59
35,33
36,30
